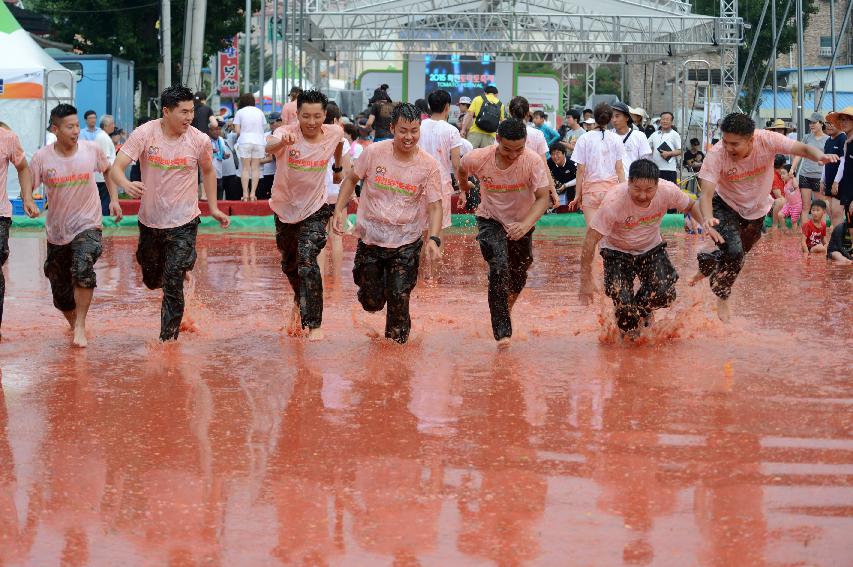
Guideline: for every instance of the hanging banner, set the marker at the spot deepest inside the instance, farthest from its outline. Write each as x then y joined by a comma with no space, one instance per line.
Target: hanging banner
229,72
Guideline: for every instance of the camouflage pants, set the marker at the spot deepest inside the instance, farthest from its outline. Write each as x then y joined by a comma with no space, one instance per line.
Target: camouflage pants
388,276
72,265
165,256
5,225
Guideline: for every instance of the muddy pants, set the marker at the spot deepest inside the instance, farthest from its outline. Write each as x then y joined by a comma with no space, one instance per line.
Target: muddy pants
723,265
388,276
508,262
299,244
5,225
657,283
72,265
165,256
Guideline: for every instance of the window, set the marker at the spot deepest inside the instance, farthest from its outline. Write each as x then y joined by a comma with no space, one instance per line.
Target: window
825,46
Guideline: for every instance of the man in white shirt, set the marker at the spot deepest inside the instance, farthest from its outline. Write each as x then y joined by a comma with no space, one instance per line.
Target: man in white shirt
666,157
103,141
443,142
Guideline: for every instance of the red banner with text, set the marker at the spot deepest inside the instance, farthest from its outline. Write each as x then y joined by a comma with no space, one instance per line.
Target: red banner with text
229,72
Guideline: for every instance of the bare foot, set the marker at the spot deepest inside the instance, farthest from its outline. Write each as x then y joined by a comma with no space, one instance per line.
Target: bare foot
294,328
697,277
79,337
723,310
503,344
316,335
188,325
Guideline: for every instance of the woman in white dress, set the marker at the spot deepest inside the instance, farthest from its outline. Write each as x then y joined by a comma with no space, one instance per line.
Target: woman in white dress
249,125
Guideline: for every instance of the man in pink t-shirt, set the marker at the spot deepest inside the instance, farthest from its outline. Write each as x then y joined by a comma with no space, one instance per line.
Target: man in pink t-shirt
299,194
66,168
401,195
628,226
735,186
170,152
515,189
10,152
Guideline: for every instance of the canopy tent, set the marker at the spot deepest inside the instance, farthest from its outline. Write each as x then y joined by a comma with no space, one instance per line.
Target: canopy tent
31,83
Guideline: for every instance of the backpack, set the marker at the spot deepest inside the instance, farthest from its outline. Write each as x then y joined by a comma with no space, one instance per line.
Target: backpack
489,116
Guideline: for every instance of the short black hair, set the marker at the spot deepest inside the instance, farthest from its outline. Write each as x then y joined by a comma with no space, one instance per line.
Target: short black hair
422,105
88,113
556,147
490,89
643,169
585,110
405,111
671,115
540,114
174,95
738,123
60,111
779,161
312,96
333,112
438,101
512,129
383,87
787,167
200,96
819,203
574,114
694,141
519,107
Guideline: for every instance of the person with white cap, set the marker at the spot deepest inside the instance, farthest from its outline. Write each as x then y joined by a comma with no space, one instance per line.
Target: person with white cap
589,123
641,117
843,120
464,104
810,171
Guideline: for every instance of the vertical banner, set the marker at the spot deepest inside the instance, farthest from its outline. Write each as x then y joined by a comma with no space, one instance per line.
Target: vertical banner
229,71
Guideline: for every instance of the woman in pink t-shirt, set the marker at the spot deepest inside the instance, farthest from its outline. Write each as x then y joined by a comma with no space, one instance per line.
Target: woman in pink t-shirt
599,155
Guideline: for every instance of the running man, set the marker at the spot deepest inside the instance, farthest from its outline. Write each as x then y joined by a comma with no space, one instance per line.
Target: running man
73,224
299,201
734,200
628,226
515,190
169,152
10,152
401,193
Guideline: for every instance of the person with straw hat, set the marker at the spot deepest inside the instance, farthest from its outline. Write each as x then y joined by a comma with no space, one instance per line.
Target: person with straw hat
843,120
779,126
734,199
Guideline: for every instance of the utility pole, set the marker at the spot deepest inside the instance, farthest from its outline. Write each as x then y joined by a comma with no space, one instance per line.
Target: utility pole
166,42
801,90
262,46
199,17
775,56
188,35
247,49
274,53
832,35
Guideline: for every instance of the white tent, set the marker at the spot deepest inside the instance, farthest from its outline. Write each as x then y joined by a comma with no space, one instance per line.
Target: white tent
31,83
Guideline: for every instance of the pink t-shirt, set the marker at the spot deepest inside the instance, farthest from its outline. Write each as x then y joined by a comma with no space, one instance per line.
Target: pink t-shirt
70,189
792,194
536,141
632,229
599,154
506,195
745,184
288,114
170,173
438,138
392,208
299,188
10,151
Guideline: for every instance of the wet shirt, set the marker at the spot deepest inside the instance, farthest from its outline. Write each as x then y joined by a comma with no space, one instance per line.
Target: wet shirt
506,195
814,234
299,189
632,229
10,152
438,138
289,112
70,188
392,208
598,152
170,172
252,123
536,141
840,241
744,184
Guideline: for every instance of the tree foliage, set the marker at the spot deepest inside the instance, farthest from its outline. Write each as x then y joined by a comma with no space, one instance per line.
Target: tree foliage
129,30
750,11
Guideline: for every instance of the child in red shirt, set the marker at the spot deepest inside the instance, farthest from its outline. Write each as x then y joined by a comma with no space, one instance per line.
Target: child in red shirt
813,240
